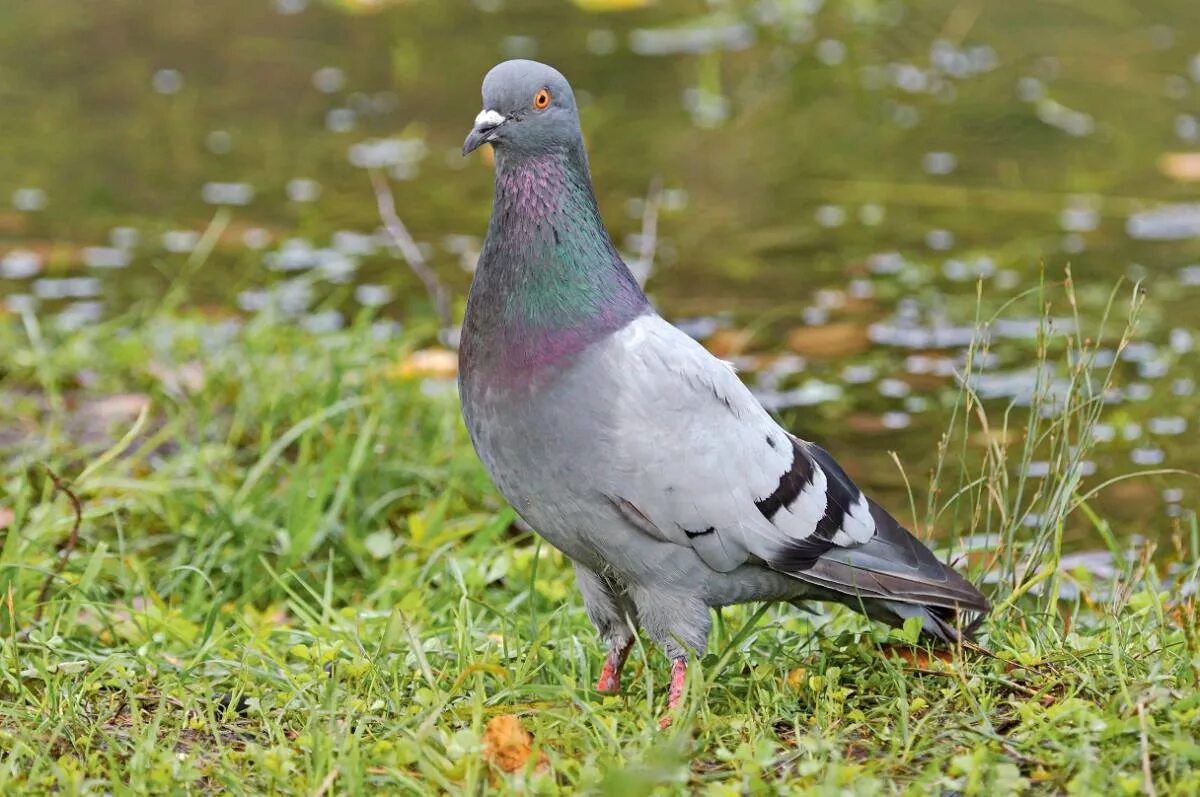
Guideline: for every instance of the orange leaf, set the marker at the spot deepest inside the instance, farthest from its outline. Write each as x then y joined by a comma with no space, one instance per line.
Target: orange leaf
828,341
508,746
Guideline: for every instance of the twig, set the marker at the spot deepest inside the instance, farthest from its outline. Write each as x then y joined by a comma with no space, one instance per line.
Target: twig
649,237
65,548
1147,776
409,250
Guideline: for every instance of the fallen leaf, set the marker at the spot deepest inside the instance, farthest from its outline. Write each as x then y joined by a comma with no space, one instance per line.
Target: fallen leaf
611,5
797,678
829,341
1182,166
440,363
919,657
183,378
508,746
728,342
7,516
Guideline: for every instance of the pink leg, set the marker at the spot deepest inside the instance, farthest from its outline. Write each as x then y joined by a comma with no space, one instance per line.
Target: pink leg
610,676
675,693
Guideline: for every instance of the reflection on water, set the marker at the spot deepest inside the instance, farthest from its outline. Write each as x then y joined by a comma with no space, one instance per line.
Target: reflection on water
838,180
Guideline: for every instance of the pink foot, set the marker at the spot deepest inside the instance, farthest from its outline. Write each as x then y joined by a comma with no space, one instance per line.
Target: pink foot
675,693
610,676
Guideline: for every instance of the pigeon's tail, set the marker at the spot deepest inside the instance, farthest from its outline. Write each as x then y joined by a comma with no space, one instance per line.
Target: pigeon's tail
893,577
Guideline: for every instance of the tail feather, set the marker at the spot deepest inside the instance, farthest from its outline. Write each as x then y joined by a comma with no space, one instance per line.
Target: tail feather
894,577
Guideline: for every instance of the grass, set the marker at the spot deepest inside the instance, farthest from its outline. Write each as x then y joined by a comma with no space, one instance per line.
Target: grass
292,576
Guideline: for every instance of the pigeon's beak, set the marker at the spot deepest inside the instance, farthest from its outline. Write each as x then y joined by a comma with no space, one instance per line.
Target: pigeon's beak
486,124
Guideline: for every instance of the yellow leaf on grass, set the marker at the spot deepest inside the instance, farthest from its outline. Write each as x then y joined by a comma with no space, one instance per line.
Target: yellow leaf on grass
611,5
1182,166
508,746
438,363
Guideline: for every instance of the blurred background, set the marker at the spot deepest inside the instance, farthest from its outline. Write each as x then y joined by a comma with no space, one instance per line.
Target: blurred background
845,186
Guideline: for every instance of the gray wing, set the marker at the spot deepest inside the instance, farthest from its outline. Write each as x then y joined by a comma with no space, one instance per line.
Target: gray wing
699,462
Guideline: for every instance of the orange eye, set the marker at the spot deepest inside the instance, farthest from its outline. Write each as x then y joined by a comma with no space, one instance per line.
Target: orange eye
541,100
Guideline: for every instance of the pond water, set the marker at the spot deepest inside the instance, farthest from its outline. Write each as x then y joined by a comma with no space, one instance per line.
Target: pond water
839,179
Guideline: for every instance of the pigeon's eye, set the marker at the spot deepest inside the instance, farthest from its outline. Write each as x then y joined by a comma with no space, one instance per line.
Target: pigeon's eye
541,100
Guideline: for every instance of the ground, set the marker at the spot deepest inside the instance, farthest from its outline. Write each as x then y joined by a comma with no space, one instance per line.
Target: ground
292,576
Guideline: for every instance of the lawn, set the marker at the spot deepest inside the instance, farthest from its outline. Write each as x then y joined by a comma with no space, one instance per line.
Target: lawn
292,576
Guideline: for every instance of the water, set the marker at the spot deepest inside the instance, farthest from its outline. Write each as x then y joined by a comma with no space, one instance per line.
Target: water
838,178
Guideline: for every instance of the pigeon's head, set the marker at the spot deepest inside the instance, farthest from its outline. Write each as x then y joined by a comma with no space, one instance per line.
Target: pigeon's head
528,107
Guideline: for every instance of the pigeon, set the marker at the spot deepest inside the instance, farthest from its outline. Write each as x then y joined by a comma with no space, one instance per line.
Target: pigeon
629,447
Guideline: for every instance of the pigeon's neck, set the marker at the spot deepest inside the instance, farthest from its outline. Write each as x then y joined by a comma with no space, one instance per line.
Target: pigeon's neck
550,281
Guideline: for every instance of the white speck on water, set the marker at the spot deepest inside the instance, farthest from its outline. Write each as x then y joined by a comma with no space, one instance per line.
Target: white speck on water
180,241
21,304
1172,495
601,41
871,214
815,316
1173,222
860,289
674,199
1070,121
909,78
1037,470
303,190
167,81
290,7
379,153
1194,68
939,163
78,315
66,288
1153,369
237,194
905,116
1147,456
894,388
939,240
1104,433
1073,243
372,295
29,200
859,374
1030,89
895,420
1190,275
329,80
356,244
690,40
1181,340
830,52
256,238
1131,431
916,404
340,120
708,109
1168,426
489,6
1183,387
105,257
813,392
219,142
124,237
20,264
886,263
323,322
1187,128
1138,391
1079,217
831,215
386,329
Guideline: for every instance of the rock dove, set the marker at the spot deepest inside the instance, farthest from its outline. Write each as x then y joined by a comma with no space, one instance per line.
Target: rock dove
631,448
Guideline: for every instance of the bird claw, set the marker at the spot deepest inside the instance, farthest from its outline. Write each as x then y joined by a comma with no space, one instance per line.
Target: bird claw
610,676
675,693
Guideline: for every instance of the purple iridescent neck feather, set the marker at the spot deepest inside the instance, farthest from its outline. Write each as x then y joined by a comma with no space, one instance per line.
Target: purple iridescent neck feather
549,281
